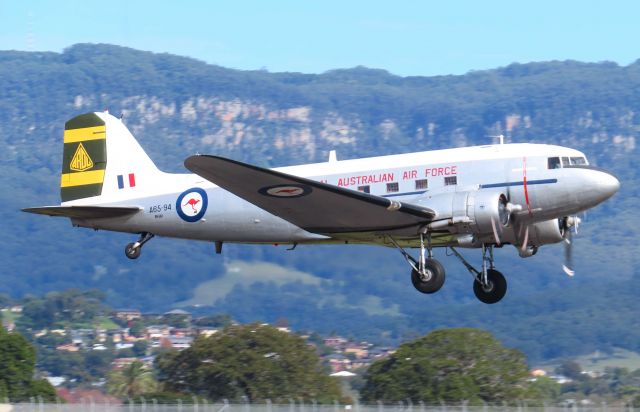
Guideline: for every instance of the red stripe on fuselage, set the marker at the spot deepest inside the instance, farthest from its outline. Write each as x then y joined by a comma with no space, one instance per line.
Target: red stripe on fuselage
524,184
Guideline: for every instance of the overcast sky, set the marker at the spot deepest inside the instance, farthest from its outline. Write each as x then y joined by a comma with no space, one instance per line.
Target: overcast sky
403,37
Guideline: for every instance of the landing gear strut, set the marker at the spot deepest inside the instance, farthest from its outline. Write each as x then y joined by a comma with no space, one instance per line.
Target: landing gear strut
427,274
133,250
489,285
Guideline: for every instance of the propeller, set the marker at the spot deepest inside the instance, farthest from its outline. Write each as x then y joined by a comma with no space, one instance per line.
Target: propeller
569,223
505,210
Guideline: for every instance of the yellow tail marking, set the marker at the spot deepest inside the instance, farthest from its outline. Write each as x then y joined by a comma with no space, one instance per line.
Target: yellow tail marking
81,160
82,178
86,133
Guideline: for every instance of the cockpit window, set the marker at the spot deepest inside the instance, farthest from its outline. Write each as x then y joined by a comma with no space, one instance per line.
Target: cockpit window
578,161
559,162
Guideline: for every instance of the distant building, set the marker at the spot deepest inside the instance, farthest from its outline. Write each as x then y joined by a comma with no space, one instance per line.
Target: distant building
206,331
180,342
127,314
156,332
338,362
335,342
360,351
68,347
120,363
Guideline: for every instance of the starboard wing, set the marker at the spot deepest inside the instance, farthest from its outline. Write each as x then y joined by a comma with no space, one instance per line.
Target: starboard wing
314,206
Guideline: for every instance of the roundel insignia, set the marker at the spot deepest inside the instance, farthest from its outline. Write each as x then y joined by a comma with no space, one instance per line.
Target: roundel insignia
192,204
287,191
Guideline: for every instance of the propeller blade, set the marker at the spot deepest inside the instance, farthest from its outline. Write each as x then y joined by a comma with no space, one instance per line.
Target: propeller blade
526,238
567,267
495,231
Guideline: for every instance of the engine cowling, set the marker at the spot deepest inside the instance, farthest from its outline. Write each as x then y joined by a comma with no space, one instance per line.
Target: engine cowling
476,212
547,232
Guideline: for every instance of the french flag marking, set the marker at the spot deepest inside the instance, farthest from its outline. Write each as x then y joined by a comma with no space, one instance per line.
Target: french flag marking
132,181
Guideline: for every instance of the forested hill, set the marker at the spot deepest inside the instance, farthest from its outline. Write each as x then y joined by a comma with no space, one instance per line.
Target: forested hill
177,106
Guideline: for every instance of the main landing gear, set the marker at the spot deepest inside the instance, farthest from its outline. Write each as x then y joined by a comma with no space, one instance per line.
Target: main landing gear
428,275
133,249
489,285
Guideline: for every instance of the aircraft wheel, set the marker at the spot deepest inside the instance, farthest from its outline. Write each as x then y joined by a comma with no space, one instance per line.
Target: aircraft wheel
494,291
132,252
432,280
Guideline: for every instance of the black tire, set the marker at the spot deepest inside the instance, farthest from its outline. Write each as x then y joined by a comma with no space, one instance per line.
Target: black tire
132,252
435,280
495,291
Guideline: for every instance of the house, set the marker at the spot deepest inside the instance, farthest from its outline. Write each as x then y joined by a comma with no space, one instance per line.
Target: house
68,347
360,351
180,342
123,345
335,342
156,332
338,362
127,314
206,331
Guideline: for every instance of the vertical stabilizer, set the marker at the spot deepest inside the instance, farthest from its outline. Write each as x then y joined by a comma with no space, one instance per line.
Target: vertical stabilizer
101,158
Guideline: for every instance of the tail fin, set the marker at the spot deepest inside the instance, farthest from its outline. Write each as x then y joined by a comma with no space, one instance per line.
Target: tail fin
92,139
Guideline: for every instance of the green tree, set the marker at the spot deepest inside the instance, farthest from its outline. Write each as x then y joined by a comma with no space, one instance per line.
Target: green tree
131,381
215,321
137,328
449,365
17,365
140,348
65,309
544,388
255,361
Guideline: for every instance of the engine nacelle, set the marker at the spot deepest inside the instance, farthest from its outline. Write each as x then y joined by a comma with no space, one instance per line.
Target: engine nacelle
547,232
476,212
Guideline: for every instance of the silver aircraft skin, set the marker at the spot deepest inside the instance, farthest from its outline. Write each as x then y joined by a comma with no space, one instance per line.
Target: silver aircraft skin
525,195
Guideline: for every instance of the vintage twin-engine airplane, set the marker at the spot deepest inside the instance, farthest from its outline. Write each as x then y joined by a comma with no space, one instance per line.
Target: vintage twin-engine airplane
526,195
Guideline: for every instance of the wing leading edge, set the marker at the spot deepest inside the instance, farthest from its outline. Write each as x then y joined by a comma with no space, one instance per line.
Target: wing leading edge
314,206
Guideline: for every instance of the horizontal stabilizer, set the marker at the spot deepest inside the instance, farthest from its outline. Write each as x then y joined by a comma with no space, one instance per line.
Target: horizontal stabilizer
314,206
84,212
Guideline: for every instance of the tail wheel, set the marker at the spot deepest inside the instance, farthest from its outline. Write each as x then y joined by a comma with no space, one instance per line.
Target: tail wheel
431,280
132,251
494,290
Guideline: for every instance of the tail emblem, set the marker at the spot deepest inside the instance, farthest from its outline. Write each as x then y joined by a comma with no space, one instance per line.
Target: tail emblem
81,160
84,158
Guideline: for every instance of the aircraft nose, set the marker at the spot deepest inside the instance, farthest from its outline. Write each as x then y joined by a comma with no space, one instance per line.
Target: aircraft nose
608,185
602,186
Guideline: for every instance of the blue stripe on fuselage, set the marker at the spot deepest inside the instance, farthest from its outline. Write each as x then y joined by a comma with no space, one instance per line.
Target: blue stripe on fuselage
521,183
486,186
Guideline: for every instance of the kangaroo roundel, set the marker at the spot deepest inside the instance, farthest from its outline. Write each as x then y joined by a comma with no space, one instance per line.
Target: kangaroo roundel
289,190
192,204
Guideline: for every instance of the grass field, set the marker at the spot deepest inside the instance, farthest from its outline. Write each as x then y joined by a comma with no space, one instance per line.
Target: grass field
598,361
245,273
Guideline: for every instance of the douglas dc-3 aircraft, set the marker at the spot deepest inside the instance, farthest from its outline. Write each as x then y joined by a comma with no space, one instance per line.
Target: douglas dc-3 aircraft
525,195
